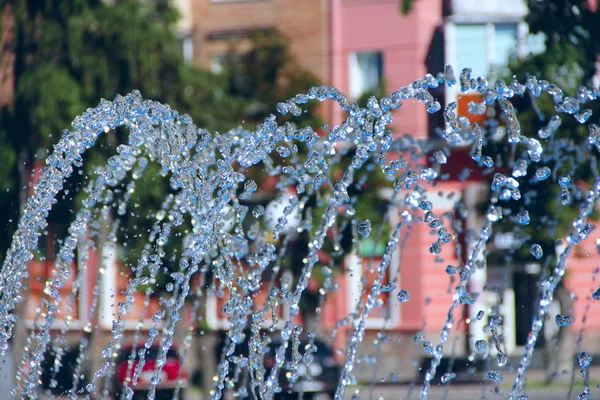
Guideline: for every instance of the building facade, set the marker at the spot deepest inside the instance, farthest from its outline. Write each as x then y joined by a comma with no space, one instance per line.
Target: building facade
359,46
210,28
369,44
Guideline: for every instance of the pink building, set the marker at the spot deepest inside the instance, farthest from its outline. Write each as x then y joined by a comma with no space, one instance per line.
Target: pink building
373,44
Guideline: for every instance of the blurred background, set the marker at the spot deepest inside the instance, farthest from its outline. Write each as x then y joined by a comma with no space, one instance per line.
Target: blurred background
227,63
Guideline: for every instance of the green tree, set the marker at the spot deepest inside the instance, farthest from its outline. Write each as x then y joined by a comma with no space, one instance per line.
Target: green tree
569,61
69,55
572,24
406,6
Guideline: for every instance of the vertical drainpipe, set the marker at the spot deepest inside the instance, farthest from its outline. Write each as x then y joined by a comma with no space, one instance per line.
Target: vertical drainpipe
108,287
336,55
335,24
84,285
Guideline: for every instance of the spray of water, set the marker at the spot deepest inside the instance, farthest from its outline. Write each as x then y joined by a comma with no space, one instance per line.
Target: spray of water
242,246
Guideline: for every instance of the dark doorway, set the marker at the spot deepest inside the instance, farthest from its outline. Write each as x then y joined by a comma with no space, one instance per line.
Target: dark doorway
526,304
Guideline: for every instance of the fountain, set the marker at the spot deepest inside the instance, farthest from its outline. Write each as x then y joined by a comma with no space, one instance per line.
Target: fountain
242,245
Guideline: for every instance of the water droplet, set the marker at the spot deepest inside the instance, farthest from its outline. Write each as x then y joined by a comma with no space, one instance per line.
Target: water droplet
428,347
536,251
494,214
284,151
498,182
258,211
549,129
496,321
403,296
440,157
543,173
432,106
481,346
520,169
495,376
563,320
523,217
569,105
388,288
419,337
435,248
448,376
365,228
564,181
584,359
249,187
449,76
502,360
583,116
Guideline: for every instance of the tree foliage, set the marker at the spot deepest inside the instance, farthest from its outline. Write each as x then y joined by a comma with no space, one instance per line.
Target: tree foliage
267,74
568,24
567,63
406,6
69,55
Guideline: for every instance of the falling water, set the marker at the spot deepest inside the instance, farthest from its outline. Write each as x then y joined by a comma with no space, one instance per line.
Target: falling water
232,238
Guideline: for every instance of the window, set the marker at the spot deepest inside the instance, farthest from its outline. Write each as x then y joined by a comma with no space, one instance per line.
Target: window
504,45
186,45
471,49
485,48
361,274
366,72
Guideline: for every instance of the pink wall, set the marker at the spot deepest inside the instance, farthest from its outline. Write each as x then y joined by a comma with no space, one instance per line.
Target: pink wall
378,25
582,279
425,278
405,42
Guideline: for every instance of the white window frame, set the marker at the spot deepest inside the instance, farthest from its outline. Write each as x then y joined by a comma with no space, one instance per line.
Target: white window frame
186,43
355,268
188,49
450,52
216,323
450,48
508,327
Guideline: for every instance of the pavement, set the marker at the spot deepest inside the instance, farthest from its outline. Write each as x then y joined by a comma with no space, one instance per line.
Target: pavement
464,392
536,390
455,392
7,374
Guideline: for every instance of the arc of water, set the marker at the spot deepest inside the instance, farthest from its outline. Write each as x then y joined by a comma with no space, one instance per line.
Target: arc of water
169,138
549,286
